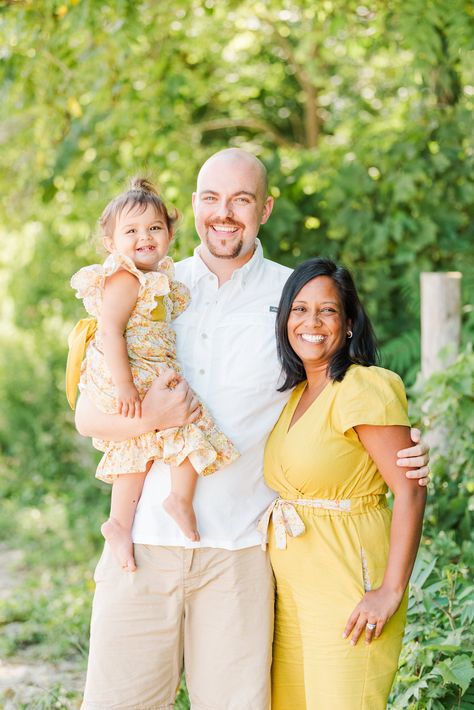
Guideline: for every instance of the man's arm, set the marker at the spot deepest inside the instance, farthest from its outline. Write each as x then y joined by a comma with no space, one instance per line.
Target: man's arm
162,408
417,458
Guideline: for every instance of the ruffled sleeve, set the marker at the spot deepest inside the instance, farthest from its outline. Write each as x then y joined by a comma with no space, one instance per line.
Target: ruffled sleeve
88,283
179,293
116,261
180,298
372,395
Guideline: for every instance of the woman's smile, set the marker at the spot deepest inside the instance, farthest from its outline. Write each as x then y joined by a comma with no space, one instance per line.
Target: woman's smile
316,324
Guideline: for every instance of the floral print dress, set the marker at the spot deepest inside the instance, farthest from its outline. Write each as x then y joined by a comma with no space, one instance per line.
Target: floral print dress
151,345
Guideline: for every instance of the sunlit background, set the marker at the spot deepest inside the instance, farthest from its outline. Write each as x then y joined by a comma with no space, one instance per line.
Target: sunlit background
363,115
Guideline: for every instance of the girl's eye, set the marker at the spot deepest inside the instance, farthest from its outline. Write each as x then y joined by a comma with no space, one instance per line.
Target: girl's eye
156,227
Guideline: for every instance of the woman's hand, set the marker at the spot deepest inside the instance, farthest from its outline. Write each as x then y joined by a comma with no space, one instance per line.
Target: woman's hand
375,608
129,402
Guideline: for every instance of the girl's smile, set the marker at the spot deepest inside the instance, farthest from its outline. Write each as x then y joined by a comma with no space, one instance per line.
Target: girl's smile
142,235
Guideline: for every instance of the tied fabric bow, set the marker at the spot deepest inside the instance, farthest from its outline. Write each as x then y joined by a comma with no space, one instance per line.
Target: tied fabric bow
78,340
286,521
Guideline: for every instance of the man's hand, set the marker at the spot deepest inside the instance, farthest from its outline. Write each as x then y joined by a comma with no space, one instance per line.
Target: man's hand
169,402
416,458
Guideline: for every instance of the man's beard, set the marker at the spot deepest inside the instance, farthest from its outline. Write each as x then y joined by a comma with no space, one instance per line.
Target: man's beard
229,255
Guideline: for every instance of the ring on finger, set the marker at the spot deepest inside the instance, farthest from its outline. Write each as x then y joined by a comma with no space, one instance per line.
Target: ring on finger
370,626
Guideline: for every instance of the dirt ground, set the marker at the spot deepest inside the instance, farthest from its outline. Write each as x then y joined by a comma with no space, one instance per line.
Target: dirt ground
25,682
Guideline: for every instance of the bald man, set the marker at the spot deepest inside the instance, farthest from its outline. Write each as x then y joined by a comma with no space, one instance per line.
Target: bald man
207,606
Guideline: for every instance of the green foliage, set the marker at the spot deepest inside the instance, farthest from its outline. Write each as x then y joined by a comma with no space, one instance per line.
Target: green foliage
437,662
363,116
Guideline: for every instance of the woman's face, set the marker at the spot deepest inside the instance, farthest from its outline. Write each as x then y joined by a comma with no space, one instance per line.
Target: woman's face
317,325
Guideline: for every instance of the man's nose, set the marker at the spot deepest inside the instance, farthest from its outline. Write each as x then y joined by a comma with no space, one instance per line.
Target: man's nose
224,209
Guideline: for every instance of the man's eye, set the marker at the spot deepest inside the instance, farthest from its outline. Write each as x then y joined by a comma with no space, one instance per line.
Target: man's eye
242,199
209,198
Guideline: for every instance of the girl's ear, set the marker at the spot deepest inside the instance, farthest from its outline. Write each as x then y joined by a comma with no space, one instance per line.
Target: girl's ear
108,244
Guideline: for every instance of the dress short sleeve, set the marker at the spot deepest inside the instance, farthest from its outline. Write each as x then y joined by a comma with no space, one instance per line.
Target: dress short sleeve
372,395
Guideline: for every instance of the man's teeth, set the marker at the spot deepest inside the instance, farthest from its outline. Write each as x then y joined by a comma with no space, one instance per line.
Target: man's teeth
313,338
221,228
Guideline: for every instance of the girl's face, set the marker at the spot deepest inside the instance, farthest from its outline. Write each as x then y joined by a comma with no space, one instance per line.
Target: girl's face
317,325
143,236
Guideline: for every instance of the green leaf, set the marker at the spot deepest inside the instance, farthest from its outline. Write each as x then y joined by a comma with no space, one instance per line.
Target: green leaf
458,670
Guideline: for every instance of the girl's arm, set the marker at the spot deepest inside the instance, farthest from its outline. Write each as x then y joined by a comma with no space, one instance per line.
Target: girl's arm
377,606
120,296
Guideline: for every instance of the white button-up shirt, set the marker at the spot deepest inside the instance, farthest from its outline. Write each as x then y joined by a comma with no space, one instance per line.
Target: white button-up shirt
226,345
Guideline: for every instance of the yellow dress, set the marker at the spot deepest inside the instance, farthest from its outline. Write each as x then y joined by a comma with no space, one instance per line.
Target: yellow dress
339,545
151,346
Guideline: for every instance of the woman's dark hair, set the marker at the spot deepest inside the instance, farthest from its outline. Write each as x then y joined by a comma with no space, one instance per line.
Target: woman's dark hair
361,349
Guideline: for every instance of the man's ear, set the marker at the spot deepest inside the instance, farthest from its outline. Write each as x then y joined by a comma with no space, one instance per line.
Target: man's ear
267,209
108,244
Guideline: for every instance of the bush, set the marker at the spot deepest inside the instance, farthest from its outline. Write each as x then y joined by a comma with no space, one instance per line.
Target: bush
436,669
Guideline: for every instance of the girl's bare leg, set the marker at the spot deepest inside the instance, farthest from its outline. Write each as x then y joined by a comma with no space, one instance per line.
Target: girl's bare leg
179,503
117,530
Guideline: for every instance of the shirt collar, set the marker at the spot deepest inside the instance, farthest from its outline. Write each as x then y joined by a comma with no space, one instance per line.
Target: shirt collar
241,275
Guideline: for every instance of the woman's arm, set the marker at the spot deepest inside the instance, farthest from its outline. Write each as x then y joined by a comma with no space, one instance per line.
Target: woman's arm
377,606
120,296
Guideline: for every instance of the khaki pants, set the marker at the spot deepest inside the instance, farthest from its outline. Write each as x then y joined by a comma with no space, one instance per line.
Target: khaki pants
210,610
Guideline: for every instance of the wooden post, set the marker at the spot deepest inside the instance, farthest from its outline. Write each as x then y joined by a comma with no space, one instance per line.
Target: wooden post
440,319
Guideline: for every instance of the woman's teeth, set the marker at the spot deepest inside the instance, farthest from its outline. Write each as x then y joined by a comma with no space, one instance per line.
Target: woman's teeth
312,338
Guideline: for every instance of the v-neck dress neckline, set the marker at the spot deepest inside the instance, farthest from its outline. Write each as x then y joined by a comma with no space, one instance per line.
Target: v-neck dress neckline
295,400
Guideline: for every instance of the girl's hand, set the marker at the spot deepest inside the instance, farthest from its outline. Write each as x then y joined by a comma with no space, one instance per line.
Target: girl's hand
129,402
376,607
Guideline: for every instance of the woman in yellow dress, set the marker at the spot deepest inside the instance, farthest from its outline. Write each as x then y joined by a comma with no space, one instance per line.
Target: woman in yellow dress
341,558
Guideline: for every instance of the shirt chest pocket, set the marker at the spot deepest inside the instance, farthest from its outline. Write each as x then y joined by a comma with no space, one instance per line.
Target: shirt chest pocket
246,346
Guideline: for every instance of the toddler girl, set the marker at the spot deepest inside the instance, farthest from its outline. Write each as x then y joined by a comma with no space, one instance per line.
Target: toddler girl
134,297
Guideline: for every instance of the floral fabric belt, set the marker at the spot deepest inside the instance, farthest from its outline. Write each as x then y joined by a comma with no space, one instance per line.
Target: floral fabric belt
286,520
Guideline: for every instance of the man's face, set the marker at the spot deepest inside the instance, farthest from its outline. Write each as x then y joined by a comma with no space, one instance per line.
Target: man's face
229,207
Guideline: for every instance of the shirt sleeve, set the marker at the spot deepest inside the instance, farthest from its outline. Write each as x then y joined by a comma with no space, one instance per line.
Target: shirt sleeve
372,395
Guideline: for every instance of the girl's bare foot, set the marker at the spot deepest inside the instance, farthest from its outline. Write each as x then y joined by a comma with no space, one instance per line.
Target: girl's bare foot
182,512
120,541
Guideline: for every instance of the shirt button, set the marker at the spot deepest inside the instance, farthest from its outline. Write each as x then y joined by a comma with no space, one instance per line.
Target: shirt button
204,335
201,371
